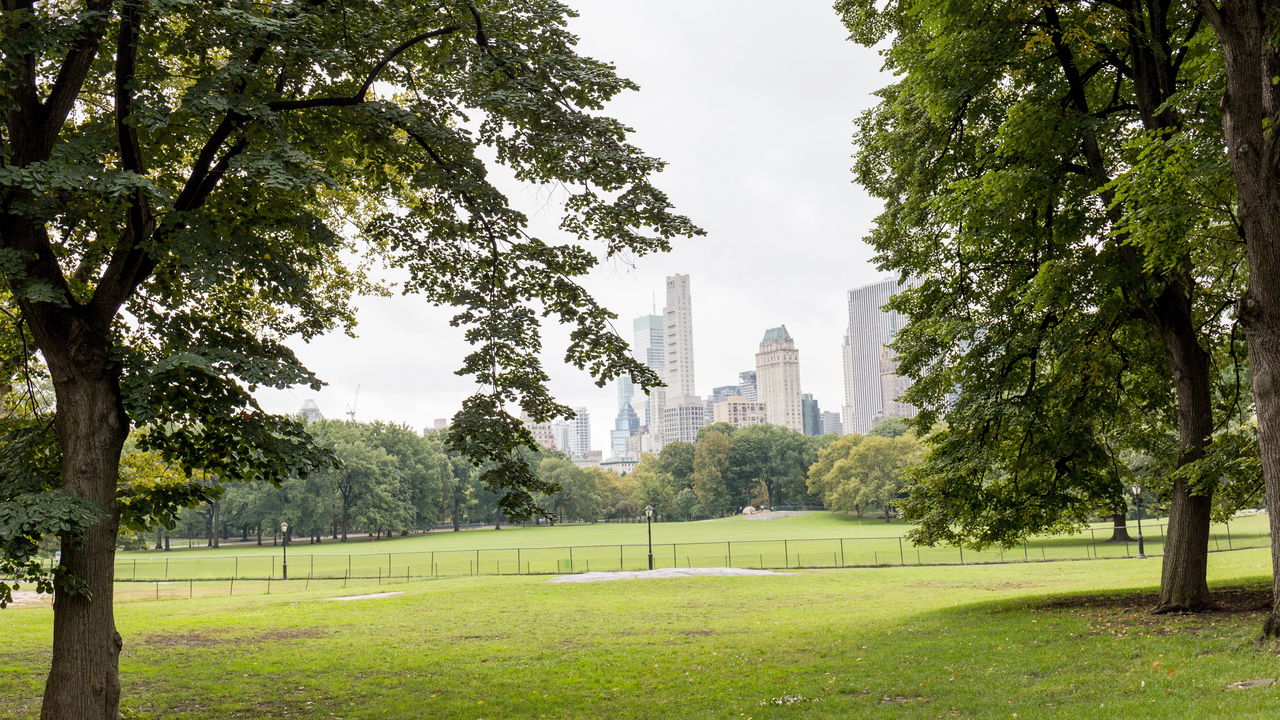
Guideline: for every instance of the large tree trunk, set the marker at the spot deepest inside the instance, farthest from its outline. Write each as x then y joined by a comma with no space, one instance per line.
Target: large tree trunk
1250,106
1183,582
1119,530
91,426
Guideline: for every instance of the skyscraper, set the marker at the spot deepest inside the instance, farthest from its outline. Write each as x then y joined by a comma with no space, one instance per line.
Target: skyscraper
650,348
778,378
870,329
678,328
810,415
747,384
678,396
579,441
831,424
310,412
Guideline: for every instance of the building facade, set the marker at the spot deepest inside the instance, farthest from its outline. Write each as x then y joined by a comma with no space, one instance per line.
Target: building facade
831,424
747,385
778,379
683,417
719,395
810,415
738,411
579,440
870,329
649,347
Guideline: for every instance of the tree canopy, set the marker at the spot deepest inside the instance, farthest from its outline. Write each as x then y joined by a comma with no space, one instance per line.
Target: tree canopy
185,189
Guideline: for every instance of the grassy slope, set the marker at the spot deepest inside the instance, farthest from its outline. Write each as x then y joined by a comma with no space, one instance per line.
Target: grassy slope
976,642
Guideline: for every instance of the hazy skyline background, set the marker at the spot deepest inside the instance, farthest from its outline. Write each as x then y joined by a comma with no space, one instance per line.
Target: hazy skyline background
752,106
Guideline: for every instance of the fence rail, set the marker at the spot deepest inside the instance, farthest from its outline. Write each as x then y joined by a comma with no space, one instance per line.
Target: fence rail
763,554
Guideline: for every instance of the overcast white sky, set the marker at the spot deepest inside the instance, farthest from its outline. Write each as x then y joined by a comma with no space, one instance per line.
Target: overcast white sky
752,105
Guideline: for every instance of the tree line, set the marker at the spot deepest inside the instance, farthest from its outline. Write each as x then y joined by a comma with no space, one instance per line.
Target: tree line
390,480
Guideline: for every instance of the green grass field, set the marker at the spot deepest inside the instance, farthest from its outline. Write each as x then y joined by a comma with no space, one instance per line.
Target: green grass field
817,539
995,641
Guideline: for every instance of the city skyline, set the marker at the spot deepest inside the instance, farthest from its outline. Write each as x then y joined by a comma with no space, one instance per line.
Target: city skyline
784,224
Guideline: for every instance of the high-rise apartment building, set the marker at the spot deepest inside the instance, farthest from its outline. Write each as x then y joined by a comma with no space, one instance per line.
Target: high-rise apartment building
810,415
871,327
892,385
747,385
739,412
778,379
682,417
831,424
579,440
650,348
719,395
678,396
543,433
678,329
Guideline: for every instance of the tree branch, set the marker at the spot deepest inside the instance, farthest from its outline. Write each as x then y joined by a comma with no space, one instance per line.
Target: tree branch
71,76
360,95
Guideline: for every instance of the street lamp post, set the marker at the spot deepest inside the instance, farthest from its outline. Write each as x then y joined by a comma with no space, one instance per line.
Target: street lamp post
284,544
648,516
1137,503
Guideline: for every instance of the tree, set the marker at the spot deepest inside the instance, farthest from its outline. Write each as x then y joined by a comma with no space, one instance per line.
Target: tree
890,428
767,465
875,471
1249,34
1072,290
711,475
205,174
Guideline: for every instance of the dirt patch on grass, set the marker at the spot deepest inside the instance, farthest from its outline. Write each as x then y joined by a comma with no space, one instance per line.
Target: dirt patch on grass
1230,601
212,639
1125,614
29,597
189,639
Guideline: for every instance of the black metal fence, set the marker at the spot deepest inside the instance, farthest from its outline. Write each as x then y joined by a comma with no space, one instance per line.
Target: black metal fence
1096,543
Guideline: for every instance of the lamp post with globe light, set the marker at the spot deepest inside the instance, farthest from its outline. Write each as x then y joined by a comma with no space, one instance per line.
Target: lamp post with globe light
1137,502
648,516
284,544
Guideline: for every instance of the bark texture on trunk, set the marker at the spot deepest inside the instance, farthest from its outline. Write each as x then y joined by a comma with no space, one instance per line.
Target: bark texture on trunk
1183,583
1251,108
91,425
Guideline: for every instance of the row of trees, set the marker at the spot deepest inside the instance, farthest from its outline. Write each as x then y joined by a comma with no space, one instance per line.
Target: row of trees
1086,193
390,480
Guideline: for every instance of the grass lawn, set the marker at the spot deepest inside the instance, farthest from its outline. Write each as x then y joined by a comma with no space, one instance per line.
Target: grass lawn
816,539
1026,641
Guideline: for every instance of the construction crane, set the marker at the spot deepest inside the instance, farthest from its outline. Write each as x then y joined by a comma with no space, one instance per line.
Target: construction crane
351,409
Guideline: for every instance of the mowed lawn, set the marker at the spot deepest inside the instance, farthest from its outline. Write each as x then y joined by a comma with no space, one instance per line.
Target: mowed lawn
1026,641
813,539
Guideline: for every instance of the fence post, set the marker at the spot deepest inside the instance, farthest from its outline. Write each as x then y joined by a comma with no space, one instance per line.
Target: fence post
842,564
1025,556
902,557
135,568
619,558
961,554
570,558
389,562
348,565
236,571
786,556
477,572
729,548
313,567
191,588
